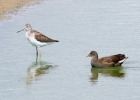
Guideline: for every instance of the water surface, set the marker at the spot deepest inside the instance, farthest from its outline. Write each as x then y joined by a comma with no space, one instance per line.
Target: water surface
64,73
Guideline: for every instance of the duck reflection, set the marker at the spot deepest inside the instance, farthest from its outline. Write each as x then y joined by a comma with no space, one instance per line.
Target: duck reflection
111,71
36,69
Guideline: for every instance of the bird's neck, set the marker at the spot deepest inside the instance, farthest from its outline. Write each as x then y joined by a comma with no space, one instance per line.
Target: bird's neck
28,34
95,57
28,31
94,61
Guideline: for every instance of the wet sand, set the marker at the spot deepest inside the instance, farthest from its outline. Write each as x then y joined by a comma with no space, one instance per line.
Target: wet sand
8,5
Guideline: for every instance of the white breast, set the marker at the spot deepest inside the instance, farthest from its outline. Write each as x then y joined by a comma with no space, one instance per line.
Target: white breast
27,35
33,41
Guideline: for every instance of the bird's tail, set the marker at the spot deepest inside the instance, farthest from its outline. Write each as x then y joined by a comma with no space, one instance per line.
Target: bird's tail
121,61
56,41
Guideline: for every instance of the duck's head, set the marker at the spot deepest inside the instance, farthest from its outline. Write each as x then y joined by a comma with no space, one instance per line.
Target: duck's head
92,54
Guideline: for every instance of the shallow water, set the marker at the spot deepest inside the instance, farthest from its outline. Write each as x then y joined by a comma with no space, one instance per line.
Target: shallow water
64,72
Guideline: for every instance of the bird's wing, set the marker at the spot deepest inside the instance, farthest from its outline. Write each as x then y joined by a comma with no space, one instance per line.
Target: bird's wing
112,60
42,38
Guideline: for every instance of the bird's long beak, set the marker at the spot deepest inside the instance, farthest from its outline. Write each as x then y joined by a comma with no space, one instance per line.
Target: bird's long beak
89,55
21,30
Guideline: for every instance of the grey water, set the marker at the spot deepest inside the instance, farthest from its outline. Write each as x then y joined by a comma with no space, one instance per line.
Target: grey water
64,73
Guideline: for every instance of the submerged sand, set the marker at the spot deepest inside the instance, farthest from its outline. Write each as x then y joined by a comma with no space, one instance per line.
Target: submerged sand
8,5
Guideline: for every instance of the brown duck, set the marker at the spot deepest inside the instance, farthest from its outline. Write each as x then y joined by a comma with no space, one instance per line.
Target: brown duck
109,61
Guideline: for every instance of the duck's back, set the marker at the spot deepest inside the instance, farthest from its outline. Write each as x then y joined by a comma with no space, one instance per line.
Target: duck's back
113,58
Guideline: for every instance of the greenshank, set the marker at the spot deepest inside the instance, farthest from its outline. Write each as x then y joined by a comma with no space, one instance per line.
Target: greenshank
36,38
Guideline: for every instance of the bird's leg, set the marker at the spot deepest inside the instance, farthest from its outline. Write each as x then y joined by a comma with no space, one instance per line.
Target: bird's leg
36,59
36,52
40,54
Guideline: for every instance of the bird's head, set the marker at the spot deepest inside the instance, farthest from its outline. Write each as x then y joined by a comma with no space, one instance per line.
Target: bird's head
27,27
92,54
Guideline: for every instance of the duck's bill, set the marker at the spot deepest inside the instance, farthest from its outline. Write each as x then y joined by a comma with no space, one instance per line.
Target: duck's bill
20,30
89,55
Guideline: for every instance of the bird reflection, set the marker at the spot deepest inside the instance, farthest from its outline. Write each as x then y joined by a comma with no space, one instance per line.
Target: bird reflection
36,69
111,71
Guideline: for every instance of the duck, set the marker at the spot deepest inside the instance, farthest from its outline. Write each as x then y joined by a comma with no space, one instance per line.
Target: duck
108,61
